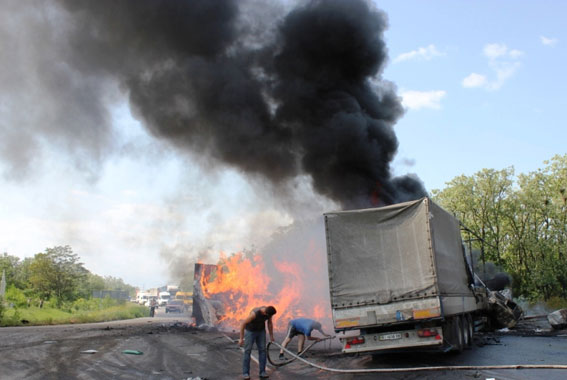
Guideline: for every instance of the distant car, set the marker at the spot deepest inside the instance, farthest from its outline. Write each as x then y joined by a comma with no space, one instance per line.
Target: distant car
174,306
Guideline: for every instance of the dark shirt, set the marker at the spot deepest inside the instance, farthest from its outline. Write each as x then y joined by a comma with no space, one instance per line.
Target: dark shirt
259,322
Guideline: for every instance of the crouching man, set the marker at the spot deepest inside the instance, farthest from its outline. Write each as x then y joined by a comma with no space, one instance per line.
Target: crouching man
302,327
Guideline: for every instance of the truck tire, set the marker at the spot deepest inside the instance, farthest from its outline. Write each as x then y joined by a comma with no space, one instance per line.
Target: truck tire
468,330
458,334
453,332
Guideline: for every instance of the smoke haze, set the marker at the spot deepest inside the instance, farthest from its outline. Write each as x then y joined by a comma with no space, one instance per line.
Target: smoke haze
296,94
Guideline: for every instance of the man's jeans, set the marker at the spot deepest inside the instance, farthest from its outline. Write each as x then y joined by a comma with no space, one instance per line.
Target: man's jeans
249,338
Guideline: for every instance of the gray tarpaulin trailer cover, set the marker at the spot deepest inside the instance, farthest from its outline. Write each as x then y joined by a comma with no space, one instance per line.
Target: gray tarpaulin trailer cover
405,251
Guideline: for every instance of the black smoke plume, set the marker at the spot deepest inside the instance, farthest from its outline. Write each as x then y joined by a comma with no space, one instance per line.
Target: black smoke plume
273,96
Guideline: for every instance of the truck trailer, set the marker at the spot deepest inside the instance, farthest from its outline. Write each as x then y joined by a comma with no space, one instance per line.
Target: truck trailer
399,279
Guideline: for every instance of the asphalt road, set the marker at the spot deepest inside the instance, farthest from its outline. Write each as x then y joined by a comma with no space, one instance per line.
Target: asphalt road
171,349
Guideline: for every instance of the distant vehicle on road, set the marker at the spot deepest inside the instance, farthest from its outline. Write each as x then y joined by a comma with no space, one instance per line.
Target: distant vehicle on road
174,306
163,298
186,297
172,289
142,298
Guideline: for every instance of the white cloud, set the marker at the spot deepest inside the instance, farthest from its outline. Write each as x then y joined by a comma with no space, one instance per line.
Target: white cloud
515,54
422,53
504,63
474,80
496,51
493,51
548,41
422,99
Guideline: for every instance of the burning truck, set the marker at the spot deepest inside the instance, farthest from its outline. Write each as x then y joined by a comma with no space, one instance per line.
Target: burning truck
291,277
399,278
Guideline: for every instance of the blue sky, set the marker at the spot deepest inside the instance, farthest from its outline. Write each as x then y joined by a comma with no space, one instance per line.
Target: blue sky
510,112
483,84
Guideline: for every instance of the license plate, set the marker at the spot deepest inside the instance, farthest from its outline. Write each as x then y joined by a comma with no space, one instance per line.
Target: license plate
390,336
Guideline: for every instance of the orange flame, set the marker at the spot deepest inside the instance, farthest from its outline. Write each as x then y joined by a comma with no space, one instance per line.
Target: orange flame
241,283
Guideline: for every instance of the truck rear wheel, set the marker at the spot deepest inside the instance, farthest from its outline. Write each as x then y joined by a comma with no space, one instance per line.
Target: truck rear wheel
453,332
468,330
458,334
465,330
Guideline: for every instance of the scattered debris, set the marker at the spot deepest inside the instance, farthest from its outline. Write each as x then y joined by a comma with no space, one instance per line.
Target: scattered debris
538,316
482,340
132,352
89,352
558,319
531,326
505,311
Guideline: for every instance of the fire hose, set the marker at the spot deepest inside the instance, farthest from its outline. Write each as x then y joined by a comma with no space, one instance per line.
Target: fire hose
281,363
410,369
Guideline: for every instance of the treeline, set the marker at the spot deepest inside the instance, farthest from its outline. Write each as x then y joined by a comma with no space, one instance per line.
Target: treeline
517,222
55,276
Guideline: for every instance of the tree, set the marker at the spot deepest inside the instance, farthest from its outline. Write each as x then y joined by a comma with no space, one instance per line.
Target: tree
479,202
115,283
9,264
89,283
539,230
520,224
57,273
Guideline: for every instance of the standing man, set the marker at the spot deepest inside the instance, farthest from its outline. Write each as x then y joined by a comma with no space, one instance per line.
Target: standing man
153,305
255,325
301,327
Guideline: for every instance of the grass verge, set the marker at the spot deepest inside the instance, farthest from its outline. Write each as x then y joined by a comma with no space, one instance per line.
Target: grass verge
51,316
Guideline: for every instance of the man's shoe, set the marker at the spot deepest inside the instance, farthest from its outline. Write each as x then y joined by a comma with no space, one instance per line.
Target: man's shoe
264,375
282,357
246,377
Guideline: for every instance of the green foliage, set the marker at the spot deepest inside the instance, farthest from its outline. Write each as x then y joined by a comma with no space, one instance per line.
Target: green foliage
16,270
57,273
57,278
2,308
12,319
519,224
556,303
95,304
49,316
16,296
